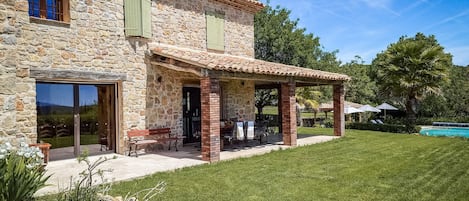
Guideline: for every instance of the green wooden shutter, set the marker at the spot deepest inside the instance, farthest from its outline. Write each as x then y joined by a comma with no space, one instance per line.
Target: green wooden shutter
137,18
215,31
146,18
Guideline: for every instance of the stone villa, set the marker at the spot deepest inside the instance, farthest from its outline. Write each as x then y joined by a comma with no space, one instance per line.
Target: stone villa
71,70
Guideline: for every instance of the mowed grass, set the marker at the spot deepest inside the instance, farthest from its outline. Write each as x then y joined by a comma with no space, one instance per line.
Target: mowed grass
364,165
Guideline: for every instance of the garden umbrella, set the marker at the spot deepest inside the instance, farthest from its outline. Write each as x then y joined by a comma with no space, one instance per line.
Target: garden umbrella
385,107
350,110
369,108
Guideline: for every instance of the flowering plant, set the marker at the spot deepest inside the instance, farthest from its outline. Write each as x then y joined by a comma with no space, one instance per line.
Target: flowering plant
21,173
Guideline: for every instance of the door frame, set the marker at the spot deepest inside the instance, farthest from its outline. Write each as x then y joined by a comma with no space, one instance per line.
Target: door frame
190,126
117,84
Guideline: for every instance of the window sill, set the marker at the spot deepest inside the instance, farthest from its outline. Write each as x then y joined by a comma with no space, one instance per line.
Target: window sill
216,51
49,22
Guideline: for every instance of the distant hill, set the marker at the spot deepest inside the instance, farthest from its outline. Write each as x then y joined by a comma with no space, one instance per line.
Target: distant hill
48,108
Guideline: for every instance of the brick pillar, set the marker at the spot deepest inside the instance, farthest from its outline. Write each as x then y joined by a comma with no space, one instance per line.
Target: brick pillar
339,117
287,93
210,100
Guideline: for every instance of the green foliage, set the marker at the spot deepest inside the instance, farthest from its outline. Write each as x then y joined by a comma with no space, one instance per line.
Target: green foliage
265,97
361,89
412,68
433,106
83,188
328,123
21,172
391,128
278,39
456,92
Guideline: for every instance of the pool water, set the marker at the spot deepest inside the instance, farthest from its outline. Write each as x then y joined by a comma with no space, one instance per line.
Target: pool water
446,131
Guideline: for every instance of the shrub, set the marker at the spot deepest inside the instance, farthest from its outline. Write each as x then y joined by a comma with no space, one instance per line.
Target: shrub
391,128
85,187
21,172
328,123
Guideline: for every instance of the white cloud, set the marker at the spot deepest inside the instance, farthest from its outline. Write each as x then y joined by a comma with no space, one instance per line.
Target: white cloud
448,19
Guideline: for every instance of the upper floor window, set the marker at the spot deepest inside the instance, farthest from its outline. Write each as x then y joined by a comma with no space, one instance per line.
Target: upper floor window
215,31
50,9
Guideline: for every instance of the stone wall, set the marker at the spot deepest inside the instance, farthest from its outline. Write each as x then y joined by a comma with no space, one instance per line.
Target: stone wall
93,41
188,28
238,99
8,40
164,98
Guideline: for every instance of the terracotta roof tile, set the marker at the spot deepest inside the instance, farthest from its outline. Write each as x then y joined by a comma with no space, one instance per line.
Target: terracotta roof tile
249,5
230,63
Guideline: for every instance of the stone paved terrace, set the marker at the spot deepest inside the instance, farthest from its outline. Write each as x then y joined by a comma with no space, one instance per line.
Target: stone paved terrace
127,168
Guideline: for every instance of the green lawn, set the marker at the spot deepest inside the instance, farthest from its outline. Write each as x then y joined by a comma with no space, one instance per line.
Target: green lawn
364,165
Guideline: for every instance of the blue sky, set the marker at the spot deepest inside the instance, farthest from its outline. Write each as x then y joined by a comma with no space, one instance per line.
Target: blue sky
367,27
62,94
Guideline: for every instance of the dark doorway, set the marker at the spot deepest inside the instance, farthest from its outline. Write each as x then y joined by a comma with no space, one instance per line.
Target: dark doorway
191,114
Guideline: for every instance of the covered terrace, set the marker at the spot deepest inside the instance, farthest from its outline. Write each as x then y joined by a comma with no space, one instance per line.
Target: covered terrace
211,69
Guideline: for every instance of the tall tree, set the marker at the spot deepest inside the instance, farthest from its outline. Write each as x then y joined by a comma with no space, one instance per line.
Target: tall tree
456,92
411,68
279,39
361,89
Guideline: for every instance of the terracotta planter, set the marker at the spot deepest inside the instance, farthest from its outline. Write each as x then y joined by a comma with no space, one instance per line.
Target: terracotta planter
44,147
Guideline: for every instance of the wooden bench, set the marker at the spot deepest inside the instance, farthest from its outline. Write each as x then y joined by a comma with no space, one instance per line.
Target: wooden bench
151,136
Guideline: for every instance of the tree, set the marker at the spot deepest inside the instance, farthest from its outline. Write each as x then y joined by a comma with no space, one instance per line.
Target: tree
278,39
411,68
361,89
456,92
265,97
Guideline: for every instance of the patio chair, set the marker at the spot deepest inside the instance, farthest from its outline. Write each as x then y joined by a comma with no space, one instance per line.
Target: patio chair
261,131
250,130
379,121
373,121
239,131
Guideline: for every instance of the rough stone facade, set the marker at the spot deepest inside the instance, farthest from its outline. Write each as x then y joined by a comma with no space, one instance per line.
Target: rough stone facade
94,42
8,41
238,100
188,27
164,98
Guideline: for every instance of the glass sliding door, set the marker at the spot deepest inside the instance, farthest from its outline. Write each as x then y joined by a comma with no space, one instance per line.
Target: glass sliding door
55,119
76,117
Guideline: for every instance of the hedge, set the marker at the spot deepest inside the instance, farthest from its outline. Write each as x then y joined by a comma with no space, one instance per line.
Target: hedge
392,128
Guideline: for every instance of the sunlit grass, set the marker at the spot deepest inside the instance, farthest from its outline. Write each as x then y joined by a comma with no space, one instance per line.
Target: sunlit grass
364,165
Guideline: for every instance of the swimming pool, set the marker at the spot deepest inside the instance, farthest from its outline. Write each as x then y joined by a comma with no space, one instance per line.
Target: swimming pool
445,131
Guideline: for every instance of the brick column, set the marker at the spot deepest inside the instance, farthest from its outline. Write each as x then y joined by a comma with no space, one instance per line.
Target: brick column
339,117
287,93
210,106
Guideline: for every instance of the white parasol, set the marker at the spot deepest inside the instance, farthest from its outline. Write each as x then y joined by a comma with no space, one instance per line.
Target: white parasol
385,107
